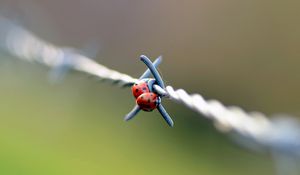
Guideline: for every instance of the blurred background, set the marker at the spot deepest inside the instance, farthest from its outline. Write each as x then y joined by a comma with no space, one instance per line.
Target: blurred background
242,53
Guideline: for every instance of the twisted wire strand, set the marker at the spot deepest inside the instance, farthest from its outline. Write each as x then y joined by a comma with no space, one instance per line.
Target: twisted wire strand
226,118
280,135
252,130
26,46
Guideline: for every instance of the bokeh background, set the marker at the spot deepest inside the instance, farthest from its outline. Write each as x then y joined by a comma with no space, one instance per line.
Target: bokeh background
243,53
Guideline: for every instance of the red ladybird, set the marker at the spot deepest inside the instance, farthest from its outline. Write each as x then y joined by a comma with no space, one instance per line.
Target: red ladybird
139,88
148,101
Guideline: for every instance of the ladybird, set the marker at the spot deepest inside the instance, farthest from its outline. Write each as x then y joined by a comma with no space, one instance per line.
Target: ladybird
140,88
147,101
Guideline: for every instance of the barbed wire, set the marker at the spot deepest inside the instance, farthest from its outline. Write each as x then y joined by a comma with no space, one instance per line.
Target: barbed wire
280,134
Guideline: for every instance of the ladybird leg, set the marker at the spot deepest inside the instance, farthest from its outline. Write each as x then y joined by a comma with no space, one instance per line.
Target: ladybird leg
148,72
132,113
153,70
165,115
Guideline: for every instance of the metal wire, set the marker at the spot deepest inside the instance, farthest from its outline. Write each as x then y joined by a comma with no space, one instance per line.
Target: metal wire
26,46
281,135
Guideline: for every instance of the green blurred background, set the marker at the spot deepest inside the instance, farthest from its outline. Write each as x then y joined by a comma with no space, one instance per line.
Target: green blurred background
240,52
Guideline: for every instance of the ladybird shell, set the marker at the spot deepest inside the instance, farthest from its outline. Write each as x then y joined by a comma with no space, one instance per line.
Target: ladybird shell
147,101
139,89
